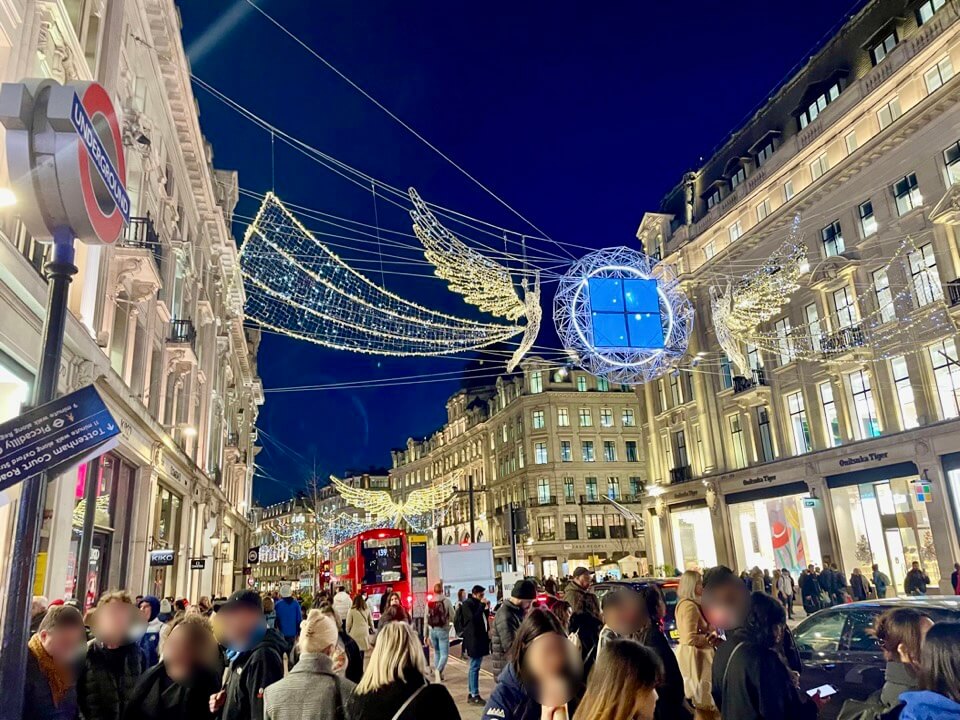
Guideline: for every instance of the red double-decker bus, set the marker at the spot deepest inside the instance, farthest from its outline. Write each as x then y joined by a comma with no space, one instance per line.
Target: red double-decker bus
376,562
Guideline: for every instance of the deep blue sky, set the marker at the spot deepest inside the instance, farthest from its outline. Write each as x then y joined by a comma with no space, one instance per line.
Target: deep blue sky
580,115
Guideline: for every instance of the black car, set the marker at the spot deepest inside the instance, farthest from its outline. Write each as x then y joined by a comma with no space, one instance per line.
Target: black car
838,649
668,586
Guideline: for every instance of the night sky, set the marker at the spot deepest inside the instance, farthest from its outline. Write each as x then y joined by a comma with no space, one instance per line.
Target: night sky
580,115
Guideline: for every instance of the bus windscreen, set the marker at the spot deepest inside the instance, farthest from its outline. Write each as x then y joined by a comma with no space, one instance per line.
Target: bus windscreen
382,561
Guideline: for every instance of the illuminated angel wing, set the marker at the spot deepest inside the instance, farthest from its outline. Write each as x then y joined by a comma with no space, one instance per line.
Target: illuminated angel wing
721,306
482,282
431,498
377,502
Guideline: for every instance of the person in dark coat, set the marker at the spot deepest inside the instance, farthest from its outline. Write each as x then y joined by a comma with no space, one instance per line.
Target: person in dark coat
810,590
859,587
255,654
916,581
289,615
395,685
181,685
508,618
750,679
471,623
114,663
149,608
671,702
51,692
579,594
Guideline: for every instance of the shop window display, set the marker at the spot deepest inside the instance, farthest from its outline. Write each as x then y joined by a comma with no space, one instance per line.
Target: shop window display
693,542
775,533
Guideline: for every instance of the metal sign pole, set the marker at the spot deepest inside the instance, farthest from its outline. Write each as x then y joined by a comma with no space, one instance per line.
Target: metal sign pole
16,622
94,469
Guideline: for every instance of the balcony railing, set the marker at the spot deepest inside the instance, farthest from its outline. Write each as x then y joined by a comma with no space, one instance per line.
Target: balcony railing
757,378
953,292
591,499
843,340
543,501
681,474
628,499
182,332
141,234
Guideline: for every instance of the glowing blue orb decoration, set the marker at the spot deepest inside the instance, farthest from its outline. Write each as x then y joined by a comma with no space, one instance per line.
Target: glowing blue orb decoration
623,316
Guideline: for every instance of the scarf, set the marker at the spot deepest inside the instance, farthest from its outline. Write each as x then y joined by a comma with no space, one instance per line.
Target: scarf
58,679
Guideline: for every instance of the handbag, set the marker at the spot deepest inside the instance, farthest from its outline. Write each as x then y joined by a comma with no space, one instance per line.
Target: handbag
409,700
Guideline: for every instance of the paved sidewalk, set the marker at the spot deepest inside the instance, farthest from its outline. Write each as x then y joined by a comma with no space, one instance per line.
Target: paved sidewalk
455,679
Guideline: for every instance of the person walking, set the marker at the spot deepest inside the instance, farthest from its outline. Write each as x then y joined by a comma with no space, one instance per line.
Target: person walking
255,654
51,683
395,684
810,591
579,594
354,669
508,618
149,608
471,623
697,643
313,690
359,624
342,604
916,581
114,662
671,704
859,587
270,611
440,620
289,615
181,684
624,686
880,582
787,591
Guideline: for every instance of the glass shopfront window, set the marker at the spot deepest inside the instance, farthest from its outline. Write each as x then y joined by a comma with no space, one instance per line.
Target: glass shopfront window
775,533
884,523
693,543
166,531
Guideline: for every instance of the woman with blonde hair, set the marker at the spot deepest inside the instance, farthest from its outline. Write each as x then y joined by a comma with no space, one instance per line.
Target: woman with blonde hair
697,644
623,684
395,686
313,690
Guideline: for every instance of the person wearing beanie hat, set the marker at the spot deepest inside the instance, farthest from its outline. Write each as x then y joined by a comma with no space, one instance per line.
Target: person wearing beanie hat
508,619
166,610
149,608
289,615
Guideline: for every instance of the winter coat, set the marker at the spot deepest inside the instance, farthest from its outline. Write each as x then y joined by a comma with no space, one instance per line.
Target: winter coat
810,585
354,671
785,586
359,627
434,701
150,642
670,691
916,582
884,702
505,626
107,679
757,684
510,699
342,604
38,697
880,582
312,691
581,600
157,697
695,653
859,588
928,705
248,676
471,621
289,616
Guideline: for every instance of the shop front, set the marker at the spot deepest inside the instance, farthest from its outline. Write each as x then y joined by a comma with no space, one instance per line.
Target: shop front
681,530
166,533
691,528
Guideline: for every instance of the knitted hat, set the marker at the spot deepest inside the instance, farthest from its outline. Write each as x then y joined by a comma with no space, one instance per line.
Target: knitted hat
524,590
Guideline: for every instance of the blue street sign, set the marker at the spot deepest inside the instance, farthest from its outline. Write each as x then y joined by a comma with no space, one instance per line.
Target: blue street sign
54,436
98,154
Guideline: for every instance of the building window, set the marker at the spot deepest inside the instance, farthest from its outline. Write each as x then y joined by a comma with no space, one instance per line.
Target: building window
738,177
819,105
563,417
609,451
846,308
784,340
946,371
868,223
906,191
631,450
547,527
676,397
586,447
763,209
536,382
889,113
543,490
928,9
570,527
736,438
627,418
709,250
680,449
603,385
736,230
830,417
618,527
951,158
613,487
540,453
905,399
923,275
765,153
766,436
935,77
884,298
566,454
788,191
581,383
586,418
754,358
568,491
538,422
606,417
866,425
726,373
879,51
595,529
832,238
591,485
819,166
850,140
713,198
798,423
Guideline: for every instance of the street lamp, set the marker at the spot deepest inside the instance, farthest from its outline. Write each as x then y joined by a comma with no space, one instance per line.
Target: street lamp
7,197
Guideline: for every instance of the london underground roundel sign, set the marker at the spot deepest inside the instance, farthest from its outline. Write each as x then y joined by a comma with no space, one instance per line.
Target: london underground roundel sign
65,156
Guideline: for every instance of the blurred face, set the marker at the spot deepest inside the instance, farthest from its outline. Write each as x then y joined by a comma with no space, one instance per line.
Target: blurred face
526,605
179,657
144,611
547,662
726,606
698,591
916,565
112,623
238,625
64,644
646,704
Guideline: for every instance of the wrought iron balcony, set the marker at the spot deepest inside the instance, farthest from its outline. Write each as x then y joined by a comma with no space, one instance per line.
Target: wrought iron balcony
591,499
543,501
843,340
953,292
182,332
140,234
757,378
681,474
629,499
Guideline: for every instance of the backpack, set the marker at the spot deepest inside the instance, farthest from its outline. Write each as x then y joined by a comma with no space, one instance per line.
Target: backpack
437,615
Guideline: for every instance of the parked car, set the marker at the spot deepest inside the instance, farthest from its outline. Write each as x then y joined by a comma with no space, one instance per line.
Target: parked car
668,586
838,649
